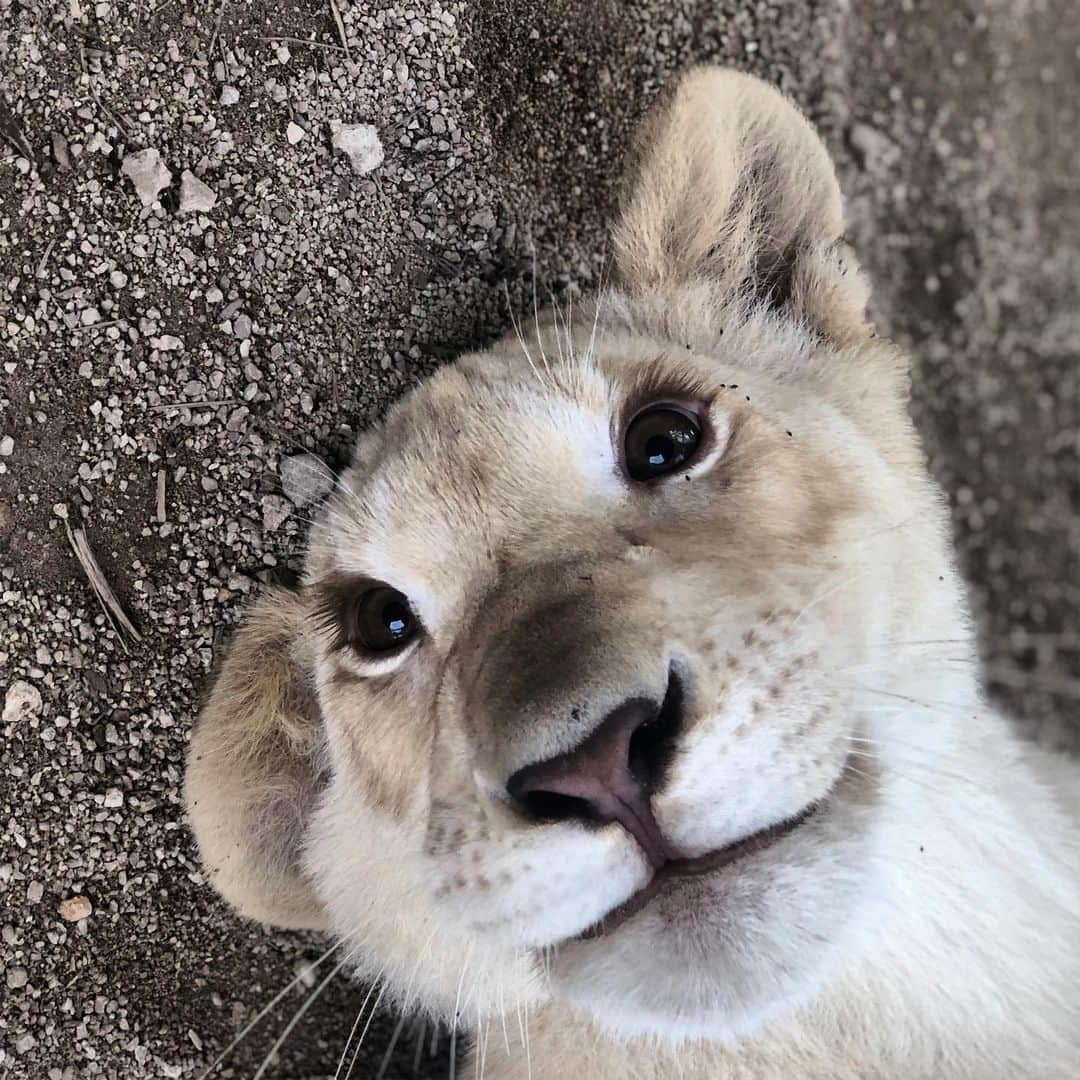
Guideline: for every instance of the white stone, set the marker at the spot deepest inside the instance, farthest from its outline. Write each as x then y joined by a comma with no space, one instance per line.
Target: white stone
148,173
229,95
22,700
275,512
294,133
7,446
305,479
195,196
360,143
75,908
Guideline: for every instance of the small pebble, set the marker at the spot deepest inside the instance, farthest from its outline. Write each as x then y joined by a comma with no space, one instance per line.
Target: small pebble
360,143
294,133
195,196
148,173
229,95
275,512
75,908
7,446
305,479
22,701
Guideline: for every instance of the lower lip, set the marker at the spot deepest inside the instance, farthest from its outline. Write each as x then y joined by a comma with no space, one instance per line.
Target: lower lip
703,864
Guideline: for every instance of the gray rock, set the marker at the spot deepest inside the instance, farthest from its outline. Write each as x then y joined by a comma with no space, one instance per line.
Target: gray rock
275,512
305,479
22,701
148,174
195,196
360,143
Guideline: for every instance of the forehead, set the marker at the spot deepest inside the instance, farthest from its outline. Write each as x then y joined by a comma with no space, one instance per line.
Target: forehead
481,458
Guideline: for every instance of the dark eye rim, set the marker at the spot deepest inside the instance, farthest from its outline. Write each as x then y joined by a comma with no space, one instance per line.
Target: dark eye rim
696,410
337,606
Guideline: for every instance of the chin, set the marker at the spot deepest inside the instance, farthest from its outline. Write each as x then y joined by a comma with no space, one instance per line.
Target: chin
716,955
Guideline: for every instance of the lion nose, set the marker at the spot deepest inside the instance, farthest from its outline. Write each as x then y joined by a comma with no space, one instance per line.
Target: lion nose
610,776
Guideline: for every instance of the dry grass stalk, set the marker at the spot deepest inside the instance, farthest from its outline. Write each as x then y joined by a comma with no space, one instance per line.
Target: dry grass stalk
102,589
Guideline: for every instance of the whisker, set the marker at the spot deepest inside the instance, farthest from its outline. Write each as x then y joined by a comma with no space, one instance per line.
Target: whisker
528,1054
356,1022
419,1040
363,1034
390,1048
536,313
521,337
457,1014
298,1015
502,1016
239,1038
925,704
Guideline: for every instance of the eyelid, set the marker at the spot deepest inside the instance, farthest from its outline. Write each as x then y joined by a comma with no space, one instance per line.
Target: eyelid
366,665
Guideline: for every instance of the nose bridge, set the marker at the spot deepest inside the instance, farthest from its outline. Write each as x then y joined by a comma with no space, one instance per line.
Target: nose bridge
555,648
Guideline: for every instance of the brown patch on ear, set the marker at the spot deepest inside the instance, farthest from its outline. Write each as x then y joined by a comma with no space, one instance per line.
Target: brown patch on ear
732,189
251,772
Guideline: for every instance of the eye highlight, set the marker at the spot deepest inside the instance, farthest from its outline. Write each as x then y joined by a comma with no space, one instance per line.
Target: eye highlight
659,440
382,620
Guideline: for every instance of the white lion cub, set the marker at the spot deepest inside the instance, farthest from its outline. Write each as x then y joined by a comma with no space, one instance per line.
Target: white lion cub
629,700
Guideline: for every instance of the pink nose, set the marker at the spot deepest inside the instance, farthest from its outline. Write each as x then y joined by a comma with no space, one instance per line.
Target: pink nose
610,776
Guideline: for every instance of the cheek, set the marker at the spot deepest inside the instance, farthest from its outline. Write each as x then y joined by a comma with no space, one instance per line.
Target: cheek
379,737
769,738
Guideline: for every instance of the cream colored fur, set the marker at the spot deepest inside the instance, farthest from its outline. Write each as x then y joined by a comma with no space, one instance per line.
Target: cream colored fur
924,922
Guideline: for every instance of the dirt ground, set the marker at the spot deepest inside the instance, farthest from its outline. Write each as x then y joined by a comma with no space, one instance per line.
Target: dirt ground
310,295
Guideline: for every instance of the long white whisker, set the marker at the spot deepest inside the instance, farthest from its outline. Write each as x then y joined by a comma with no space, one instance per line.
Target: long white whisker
363,1034
521,337
390,1048
536,314
298,1015
242,1034
356,1022
419,1045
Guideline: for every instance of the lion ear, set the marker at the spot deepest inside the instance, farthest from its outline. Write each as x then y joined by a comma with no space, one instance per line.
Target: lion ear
252,772
732,190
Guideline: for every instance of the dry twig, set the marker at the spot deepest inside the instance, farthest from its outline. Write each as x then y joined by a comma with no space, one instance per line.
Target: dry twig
102,589
340,24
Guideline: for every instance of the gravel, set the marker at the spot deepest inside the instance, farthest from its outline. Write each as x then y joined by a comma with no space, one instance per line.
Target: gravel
237,345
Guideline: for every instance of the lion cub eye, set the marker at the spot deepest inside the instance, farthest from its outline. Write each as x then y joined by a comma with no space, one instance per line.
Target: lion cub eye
660,440
382,620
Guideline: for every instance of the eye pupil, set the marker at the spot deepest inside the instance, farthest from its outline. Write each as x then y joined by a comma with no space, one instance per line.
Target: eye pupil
659,449
396,618
660,440
384,620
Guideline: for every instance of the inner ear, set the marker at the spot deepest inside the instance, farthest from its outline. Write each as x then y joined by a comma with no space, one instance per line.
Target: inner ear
253,768
731,192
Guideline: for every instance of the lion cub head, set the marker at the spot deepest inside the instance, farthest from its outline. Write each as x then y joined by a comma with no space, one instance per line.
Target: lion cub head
567,705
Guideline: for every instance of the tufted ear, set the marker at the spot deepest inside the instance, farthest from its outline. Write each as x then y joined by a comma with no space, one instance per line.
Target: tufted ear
732,191
252,772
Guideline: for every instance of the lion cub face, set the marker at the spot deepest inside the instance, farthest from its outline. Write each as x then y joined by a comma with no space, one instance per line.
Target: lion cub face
568,702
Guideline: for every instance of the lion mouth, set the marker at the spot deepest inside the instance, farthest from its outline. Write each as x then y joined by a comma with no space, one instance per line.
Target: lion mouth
708,863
